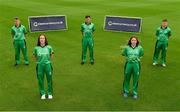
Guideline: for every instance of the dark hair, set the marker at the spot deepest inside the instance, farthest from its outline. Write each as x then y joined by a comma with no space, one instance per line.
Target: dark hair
164,20
129,42
16,18
38,42
87,16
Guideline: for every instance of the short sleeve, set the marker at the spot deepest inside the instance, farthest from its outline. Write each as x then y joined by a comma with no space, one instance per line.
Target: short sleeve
24,30
51,51
124,52
141,51
169,34
93,28
157,32
82,28
12,31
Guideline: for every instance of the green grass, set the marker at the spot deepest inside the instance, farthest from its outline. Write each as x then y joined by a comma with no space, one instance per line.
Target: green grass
87,87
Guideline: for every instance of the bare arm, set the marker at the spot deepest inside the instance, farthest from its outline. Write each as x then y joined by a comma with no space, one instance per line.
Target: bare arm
82,33
34,57
12,35
52,55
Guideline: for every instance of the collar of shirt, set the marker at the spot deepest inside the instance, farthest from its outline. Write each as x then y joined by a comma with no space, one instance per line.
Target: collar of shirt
163,28
87,24
17,27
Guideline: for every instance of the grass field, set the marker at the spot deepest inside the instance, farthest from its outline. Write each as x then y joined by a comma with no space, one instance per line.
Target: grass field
88,87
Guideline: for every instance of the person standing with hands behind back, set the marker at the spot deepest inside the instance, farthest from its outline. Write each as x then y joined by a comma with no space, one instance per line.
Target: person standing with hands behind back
133,52
18,32
43,54
163,33
87,30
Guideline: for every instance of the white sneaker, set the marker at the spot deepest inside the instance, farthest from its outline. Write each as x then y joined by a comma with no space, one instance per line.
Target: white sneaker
164,65
135,97
43,97
154,63
50,97
125,95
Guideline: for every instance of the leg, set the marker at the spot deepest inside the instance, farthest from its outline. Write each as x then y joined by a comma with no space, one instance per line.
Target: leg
40,77
48,70
127,76
156,53
24,51
163,53
84,49
17,51
136,72
91,51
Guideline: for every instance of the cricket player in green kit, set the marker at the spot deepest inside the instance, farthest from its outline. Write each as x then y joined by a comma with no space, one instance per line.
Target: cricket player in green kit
87,30
163,33
43,54
18,32
133,52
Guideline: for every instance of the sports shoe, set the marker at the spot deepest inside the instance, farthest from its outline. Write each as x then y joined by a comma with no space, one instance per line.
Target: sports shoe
27,64
135,97
82,63
125,95
15,64
164,65
43,97
154,64
92,63
50,97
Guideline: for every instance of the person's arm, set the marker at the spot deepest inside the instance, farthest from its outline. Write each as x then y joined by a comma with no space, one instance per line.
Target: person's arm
51,52
35,57
169,34
35,53
12,33
124,52
82,30
52,55
82,33
141,52
93,29
157,32
24,30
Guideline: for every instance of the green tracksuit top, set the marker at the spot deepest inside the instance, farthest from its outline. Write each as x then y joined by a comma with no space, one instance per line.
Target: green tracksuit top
163,34
43,54
133,54
18,32
87,29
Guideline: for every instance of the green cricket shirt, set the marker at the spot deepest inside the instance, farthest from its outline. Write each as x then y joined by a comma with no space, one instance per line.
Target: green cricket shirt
133,54
87,29
163,34
18,32
43,54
